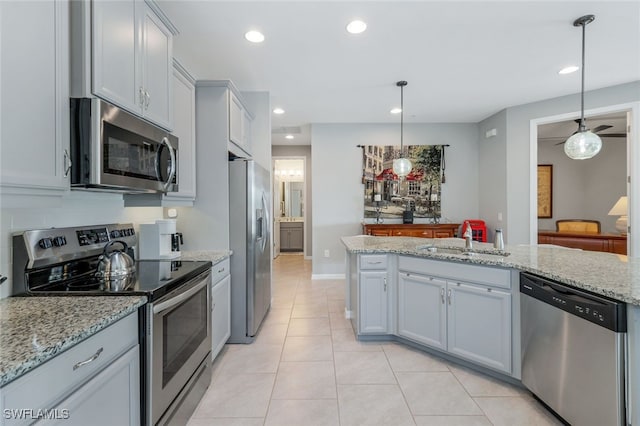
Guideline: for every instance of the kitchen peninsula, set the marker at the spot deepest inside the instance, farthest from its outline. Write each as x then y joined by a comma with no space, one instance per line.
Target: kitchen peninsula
466,306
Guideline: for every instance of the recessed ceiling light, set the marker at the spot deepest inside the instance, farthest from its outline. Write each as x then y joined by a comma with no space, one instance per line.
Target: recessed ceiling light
289,137
356,27
278,111
569,70
396,111
254,36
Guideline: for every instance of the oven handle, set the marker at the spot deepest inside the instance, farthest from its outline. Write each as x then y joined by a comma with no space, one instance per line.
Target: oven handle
163,306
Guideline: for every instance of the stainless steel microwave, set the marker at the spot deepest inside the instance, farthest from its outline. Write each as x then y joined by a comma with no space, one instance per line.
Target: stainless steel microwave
113,150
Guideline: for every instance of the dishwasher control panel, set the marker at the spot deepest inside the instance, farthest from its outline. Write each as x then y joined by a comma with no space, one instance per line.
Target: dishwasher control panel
601,310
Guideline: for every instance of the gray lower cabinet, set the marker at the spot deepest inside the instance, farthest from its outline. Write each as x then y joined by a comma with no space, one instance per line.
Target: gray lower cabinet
373,302
479,324
95,382
110,398
469,320
422,313
220,314
291,236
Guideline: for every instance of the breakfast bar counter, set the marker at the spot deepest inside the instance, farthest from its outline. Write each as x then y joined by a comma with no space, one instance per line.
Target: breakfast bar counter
608,274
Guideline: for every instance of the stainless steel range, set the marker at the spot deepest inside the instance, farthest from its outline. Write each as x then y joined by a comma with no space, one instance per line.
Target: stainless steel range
175,326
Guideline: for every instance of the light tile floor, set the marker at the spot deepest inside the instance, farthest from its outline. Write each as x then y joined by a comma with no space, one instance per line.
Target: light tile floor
307,368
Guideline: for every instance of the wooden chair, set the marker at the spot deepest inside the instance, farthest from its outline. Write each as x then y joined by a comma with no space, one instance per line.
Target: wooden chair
578,225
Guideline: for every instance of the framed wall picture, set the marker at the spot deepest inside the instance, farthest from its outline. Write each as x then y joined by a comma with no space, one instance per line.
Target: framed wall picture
545,191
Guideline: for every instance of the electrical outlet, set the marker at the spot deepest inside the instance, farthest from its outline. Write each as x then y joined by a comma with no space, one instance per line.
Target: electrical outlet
327,253
500,216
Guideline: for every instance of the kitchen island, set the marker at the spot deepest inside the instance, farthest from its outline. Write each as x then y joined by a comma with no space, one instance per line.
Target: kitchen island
465,307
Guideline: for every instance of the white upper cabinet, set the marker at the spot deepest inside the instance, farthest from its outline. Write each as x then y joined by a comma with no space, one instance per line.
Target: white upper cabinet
114,57
34,98
131,59
239,124
157,77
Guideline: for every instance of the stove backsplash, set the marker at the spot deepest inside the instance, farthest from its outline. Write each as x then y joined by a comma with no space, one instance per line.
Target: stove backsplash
78,209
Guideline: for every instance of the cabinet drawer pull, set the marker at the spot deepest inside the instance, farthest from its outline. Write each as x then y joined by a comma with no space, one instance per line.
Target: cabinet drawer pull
87,361
374,263
220,270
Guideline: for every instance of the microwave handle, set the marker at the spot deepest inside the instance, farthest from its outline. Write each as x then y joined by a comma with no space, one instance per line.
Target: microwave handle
172,170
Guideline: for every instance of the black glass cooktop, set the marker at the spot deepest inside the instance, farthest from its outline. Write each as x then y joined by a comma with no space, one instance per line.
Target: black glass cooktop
153,278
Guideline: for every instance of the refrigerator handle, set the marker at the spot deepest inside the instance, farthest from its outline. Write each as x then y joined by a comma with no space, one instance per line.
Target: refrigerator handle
263,223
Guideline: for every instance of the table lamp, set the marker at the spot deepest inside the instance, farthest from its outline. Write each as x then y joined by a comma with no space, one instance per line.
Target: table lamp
620,209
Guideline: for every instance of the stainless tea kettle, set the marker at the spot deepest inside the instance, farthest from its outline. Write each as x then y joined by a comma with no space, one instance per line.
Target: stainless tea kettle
115,265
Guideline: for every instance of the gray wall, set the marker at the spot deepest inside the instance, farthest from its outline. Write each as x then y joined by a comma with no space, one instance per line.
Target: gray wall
586,189
302,151
338,192
517,160
492,154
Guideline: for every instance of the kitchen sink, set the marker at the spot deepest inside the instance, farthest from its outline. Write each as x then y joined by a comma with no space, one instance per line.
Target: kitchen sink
461,250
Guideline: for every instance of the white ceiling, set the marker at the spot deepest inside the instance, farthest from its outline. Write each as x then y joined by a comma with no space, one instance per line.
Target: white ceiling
464,61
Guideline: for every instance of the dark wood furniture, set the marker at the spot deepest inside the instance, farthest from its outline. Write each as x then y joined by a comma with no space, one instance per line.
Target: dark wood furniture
612,243
422,230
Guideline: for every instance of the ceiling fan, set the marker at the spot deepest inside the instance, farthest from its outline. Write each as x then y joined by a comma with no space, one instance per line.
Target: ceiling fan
596,130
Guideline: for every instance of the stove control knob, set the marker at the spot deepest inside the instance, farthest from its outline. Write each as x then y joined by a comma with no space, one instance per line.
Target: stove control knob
59,241
132,231
115,233
45,243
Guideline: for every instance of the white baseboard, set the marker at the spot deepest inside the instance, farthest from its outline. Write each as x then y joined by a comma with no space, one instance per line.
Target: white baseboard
348,314
328,276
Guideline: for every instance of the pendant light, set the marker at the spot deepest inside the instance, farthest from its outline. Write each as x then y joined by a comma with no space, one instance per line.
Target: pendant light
584,143
401,166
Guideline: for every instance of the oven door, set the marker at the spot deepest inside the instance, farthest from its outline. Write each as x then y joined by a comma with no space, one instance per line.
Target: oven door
180,341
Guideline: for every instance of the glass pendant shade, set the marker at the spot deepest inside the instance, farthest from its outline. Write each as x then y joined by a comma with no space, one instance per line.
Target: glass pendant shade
582,145
401,166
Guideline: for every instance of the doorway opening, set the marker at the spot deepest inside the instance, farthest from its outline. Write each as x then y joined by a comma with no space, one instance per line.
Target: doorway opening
562,188
289,205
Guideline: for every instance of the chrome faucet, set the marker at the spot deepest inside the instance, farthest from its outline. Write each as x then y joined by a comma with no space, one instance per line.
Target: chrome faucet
468,237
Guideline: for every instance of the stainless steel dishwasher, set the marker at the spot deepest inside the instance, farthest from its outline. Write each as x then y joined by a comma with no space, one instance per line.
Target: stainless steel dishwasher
573,351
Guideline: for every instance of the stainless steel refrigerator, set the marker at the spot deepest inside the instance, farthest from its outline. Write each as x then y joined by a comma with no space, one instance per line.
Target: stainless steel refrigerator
250,240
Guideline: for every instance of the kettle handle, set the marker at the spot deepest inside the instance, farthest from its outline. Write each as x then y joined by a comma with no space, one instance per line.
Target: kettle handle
109,244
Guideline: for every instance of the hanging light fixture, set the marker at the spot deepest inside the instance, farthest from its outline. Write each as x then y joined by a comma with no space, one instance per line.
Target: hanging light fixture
584,143
401,166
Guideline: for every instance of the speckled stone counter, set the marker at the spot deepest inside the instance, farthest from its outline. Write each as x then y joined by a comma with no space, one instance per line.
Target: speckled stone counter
35,329
608,274
214,256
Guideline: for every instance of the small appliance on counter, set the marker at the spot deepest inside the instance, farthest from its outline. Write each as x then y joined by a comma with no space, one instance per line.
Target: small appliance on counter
159,240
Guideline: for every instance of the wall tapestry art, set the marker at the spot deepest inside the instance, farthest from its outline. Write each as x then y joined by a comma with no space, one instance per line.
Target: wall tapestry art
418,192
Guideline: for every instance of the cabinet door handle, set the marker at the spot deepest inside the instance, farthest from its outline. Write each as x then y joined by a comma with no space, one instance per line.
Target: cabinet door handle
141,96
385,285
449,296
147,99
220,270
67,163
442,295
87,361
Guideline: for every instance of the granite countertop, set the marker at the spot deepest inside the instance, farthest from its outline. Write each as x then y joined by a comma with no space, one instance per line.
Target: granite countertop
35,329
215,256
608,274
